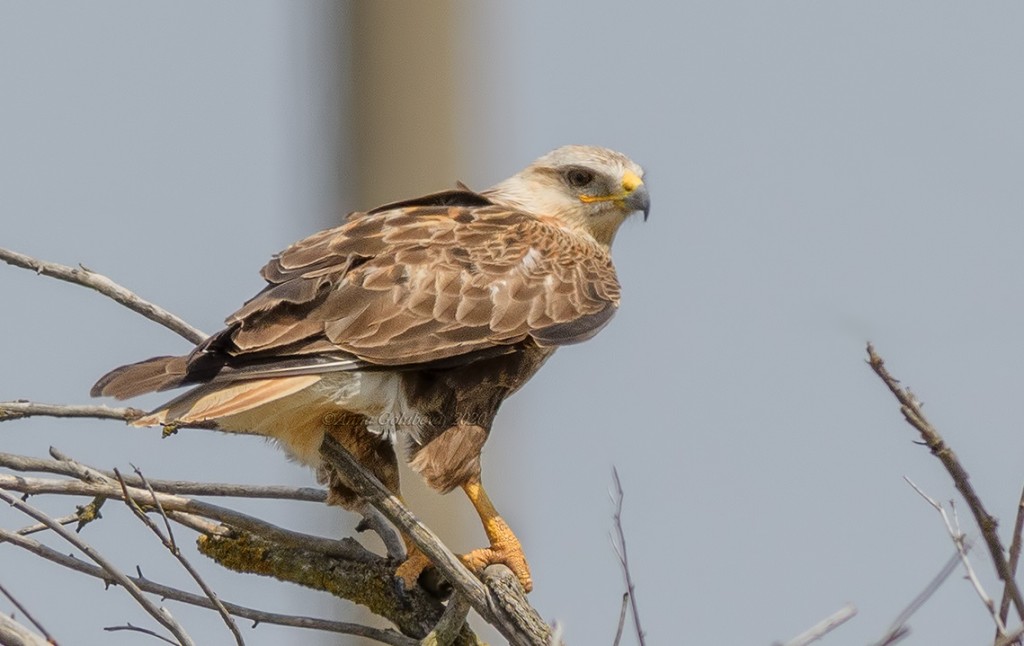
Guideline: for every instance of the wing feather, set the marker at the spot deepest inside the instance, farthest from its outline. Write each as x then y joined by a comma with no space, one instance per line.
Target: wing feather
421,284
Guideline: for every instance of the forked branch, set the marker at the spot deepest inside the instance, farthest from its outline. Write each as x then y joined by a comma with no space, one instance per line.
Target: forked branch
911,409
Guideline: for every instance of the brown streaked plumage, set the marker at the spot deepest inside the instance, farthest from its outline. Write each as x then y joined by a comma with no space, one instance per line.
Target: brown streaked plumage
416,319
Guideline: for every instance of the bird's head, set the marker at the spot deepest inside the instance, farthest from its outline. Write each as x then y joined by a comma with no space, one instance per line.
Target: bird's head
589,188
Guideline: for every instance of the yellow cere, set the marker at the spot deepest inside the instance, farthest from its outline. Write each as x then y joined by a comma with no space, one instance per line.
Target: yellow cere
630,181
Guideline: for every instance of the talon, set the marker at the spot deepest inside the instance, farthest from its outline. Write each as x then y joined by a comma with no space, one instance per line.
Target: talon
508,553
411,569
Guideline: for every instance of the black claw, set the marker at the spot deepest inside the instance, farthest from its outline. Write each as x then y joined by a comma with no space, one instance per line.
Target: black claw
363,525
435,584
401,593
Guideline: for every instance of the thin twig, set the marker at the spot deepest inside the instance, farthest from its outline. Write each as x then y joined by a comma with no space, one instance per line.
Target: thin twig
172,547
619,546
824,627
257,616
962,546
179,487
373,520
88,278
28,615
1015,547
22,408
911,409
622,619
172,544
42,527
899,629
137,629
160,614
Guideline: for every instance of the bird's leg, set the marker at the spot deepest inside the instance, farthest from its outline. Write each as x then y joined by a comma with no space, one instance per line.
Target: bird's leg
505,547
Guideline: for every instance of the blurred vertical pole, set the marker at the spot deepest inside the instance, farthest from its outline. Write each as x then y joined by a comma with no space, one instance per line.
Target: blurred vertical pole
404,142
403,98
402,106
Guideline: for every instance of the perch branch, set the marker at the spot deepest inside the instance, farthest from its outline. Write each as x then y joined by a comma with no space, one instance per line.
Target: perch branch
911,409
366,579
88,278
368,584
167,592
505,608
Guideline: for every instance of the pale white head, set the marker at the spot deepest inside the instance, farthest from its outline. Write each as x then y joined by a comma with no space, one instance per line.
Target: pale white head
589,188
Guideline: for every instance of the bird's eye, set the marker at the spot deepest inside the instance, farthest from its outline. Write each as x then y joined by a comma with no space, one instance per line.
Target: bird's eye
578,177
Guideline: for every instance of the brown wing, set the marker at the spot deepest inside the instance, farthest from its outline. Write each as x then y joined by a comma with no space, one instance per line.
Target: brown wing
419,285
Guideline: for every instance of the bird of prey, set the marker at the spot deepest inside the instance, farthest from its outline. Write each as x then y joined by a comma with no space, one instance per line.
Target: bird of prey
411,323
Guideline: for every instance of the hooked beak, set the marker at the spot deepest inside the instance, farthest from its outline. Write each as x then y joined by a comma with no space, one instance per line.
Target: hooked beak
636,196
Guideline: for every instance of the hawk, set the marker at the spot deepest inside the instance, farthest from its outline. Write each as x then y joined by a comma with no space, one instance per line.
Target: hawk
411,323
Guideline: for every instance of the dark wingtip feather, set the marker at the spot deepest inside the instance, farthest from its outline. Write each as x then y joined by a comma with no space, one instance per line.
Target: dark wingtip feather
151,375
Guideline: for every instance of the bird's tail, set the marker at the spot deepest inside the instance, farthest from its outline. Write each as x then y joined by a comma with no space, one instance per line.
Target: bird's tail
207,404
151,375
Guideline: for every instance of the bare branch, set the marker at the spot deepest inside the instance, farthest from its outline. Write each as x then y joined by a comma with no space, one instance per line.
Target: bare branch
1012,638
962,547
506,610
619,544
371,584
373,520
137,629
823,627
167,592
23,610
450,625
158,613
911,409
11,632
103,285
41,527
357,575
22,408
180,487
346,548
899,629
172,547
1015,547
622,619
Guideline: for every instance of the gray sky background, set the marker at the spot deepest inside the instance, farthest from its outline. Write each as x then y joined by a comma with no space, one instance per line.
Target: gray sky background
821,174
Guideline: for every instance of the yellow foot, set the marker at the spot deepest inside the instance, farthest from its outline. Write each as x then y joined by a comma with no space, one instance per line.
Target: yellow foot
409,571
508,553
